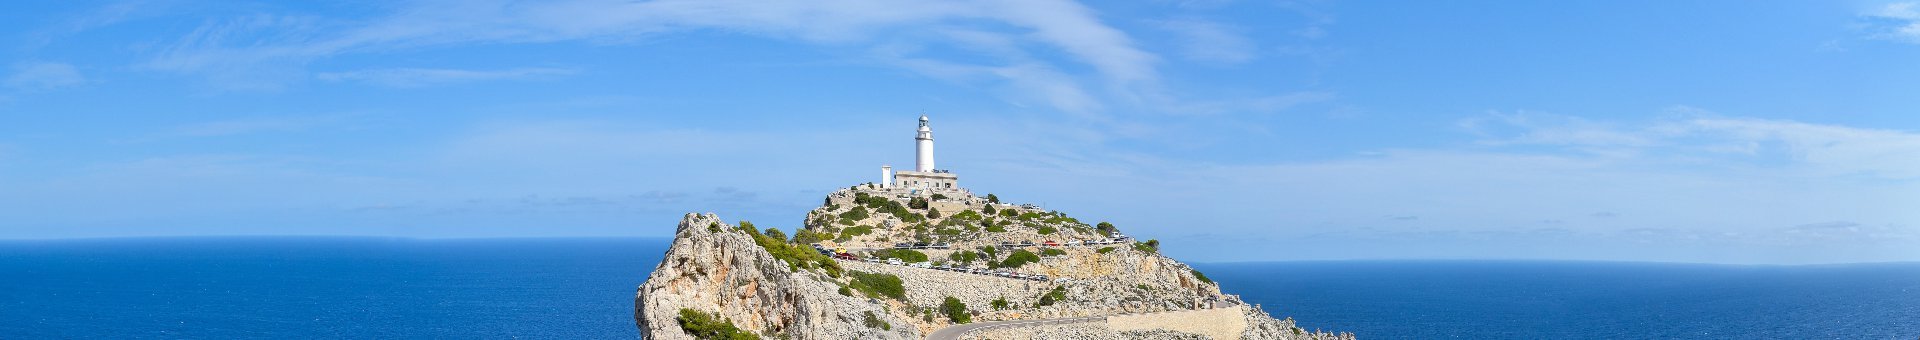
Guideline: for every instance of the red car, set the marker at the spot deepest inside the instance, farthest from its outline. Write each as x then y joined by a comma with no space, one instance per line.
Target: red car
1050,243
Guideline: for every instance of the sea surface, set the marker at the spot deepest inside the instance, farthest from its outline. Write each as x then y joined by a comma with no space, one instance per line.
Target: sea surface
324,287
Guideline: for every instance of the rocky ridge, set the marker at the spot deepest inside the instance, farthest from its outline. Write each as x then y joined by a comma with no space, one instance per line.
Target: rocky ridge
764,288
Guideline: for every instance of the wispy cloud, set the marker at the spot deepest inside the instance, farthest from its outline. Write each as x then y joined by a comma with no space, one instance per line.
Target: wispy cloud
417,77
265,43
37,76
1209,41
1899,21
1826,150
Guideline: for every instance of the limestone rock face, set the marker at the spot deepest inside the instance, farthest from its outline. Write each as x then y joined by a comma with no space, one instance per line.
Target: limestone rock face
1092,270
727,274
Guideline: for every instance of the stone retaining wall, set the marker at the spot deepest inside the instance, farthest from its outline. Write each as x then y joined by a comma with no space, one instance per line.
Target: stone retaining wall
929,287
1219,323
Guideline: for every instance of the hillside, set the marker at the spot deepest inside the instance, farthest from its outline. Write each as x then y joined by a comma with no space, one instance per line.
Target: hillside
903,265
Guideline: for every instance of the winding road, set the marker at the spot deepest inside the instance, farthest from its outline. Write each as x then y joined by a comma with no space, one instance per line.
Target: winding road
954,332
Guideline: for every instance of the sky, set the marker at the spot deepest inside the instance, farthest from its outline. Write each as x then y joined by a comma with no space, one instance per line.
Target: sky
1779,132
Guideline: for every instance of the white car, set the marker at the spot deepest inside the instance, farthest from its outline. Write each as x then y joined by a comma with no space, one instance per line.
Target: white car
895,262
921,265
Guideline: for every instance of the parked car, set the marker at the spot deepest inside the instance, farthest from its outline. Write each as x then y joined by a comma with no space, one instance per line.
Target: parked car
1039,277
1050,243
902,245
895,262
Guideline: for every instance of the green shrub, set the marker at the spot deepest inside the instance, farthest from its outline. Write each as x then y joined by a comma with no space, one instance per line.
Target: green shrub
996,228
1046,230
858,230
1000,303
1104,250
1009,213
776,234
988,210
955,310
878,284
797,256
1052,252
873,321
937,197
1148,246
967,215
917,203
807,236
904,215
713,227
964,256
1201,277
709,326
933,213
1106,229
846,291
1057,294
992,198
908,255
1019,258
857,214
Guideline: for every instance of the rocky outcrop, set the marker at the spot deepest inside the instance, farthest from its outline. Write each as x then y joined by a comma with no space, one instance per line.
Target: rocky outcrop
712,268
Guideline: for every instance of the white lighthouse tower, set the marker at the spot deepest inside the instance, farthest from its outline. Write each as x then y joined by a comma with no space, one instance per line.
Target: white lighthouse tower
924,177
923,143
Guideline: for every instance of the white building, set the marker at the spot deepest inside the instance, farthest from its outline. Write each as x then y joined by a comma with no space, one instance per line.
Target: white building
924,176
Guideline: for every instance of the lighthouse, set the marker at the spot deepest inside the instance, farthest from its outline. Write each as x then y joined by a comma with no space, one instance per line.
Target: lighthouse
923,147
924,178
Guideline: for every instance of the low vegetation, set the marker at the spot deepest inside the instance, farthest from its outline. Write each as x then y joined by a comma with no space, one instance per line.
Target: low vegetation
1201,277
955,310
1019,258
878,285
1151,246
702,325
857,214
797,256
964,256
1057,294
1052,252
907,255
1104,250
873,321
1000,303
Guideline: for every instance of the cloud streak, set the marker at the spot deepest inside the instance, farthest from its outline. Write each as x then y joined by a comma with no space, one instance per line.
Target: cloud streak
41,76
1070,29
418,77
1899,21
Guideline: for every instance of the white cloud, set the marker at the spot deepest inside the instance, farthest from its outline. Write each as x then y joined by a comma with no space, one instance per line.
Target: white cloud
1823,150
264,43
417,77
1211,41
1897,21
44,76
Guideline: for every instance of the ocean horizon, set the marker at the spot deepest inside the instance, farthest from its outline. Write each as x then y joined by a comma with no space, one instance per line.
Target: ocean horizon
383,287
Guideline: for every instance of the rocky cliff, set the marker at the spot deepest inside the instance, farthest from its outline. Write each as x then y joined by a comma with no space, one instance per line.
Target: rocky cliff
722,280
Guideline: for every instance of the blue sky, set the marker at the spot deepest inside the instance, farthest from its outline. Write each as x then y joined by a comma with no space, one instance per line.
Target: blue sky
1703,131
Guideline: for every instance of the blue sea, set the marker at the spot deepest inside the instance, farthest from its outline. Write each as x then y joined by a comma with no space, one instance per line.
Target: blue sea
320,287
